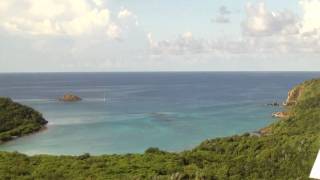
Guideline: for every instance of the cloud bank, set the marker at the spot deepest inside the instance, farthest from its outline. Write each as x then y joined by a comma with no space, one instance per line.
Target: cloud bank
92,35
263,31
60,17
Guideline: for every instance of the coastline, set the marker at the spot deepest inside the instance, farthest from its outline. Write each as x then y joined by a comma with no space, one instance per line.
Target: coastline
18,120
200,103
258,132
43,128
288,151
264,131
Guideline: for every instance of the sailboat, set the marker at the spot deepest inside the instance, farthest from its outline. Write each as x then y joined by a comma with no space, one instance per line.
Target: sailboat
105,97
315,172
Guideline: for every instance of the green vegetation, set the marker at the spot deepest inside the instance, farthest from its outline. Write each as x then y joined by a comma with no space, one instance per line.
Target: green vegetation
287,151
17,120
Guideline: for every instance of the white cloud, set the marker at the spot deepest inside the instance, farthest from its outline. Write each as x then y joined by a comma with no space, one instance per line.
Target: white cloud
284,31
261,22
76,34
98,3
57,17
114,31
124,13
183,44
311,9
187,35
3,7
264,32
150,39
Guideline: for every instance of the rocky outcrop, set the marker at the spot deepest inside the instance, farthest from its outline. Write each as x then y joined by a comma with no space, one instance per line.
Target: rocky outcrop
280,115
265,131
70,98
293,96
273,104
292,99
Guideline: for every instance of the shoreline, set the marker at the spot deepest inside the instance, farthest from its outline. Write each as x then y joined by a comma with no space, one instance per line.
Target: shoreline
13,138
287,152
257,133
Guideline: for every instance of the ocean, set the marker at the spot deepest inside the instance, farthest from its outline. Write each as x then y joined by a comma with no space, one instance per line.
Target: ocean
130,112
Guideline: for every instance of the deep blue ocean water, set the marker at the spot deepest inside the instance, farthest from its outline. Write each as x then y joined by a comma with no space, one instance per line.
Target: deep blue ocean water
129,112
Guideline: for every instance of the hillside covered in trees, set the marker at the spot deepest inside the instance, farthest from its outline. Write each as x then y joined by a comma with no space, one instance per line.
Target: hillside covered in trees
285,150
17,120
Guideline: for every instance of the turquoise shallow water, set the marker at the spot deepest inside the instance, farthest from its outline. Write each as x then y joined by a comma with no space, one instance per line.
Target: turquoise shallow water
172,111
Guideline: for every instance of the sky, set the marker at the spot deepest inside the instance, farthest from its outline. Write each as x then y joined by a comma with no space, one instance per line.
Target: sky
159,35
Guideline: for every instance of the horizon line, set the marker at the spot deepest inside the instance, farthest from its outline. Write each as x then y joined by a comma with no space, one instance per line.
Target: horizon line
75,72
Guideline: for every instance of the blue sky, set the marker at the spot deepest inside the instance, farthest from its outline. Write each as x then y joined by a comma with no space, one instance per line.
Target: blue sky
159,35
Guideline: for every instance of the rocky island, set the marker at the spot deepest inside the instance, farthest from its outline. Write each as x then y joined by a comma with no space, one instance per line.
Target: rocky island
17,120
70,98
285,150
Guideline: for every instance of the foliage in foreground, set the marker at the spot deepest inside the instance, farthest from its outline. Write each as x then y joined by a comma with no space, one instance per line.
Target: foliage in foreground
287,152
